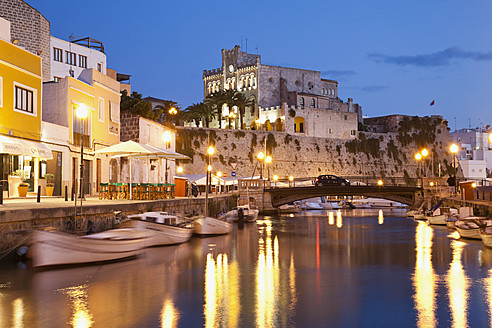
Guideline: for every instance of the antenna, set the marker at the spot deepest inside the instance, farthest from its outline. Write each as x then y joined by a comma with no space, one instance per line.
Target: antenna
246,44
241,41
257,48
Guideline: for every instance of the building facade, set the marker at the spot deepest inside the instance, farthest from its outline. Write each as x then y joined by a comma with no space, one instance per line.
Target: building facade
475,153
71,58
287,99
101,95
21,152
148,132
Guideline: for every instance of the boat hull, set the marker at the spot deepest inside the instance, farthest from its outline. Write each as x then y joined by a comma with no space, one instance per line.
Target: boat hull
160,234
486,239
419,216
56,248
469,233
437,219
211,226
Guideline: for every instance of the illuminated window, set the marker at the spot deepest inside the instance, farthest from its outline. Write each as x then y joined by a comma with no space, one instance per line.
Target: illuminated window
57,79
301,102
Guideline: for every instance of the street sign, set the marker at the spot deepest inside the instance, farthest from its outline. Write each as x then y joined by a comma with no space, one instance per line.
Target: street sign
233,173
454,163
234,165
224,174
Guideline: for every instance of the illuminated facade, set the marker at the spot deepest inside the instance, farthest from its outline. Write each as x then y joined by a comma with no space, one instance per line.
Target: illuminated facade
20,115
294,100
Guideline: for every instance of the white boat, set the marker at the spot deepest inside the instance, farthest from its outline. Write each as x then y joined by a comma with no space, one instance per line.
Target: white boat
288,208
456,214
51,248
162,228
486,235
250,212
313,206
436,217
206,225
470,226
419,216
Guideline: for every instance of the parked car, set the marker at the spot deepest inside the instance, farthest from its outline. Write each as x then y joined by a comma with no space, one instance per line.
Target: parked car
329,179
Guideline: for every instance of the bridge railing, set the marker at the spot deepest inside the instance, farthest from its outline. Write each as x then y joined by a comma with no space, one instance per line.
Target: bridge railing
425,182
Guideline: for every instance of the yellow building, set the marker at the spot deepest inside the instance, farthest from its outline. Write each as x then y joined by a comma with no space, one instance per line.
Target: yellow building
100,94
20,115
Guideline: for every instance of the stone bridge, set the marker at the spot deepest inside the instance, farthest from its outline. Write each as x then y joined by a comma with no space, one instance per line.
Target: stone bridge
268,198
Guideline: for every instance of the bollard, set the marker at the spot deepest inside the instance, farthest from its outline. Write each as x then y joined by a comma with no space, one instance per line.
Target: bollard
1,193
66,193
39,194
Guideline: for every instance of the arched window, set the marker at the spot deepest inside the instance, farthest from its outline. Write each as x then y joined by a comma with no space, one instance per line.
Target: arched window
301,103
313,103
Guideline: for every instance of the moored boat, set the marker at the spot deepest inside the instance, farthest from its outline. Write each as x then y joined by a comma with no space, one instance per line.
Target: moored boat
486,235
206,225
162,228
470,227
50,248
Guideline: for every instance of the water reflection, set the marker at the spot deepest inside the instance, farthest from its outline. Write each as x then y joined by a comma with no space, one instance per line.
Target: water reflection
169,315
424,279
380,217
272,300
458,284
339,219
488,288
331,220
81,316
19,312
222,296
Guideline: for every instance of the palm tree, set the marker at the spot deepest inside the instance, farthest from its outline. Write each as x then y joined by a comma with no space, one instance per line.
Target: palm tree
216,101
242,102
229,97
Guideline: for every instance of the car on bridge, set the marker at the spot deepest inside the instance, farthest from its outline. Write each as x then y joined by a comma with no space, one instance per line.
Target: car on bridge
330,179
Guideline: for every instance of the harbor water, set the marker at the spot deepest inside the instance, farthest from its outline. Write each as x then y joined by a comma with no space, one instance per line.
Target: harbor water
354,268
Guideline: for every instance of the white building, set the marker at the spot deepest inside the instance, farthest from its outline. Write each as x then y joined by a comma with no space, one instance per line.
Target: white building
475,152
71,58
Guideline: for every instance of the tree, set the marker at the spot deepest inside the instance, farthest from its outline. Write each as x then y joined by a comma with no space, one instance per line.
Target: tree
134,104
199,111
216,100
165,112
242,102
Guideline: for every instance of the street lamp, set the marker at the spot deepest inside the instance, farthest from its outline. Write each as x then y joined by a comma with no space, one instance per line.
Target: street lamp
82,114
291,179
424,153
380,182
210,152
418,157
275,178
179,169
268,160
173,111
260,157
232,115
454,150
167,137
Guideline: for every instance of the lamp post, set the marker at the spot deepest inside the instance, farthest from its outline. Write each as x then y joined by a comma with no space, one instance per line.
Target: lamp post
425,153
210,152
275,178
219,175
81,114
291,180
232,115
418,157
167,137
260,157
454,150
268,160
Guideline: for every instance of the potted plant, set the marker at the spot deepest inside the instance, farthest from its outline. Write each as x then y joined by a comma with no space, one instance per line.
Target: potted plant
49,183
23,186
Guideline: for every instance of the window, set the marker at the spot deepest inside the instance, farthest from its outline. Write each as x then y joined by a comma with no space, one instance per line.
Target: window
99,67
352,132
57,79
301,127
58,55
100,109
345,117
24,99
313,103
301,102
82,61
114,110
71,58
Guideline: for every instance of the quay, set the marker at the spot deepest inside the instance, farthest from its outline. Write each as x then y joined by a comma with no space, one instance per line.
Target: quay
19,216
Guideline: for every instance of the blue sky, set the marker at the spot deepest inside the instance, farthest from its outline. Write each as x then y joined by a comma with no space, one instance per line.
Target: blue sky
391,57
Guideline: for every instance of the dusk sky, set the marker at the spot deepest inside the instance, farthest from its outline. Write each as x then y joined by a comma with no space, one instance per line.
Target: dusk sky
391,57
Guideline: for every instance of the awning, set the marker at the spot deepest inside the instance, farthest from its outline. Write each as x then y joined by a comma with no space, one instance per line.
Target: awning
14,146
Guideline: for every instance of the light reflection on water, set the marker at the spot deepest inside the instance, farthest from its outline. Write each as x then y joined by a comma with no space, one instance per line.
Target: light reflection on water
313,270
424,277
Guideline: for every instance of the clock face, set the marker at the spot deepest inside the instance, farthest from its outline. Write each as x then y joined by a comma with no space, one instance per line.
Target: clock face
231,68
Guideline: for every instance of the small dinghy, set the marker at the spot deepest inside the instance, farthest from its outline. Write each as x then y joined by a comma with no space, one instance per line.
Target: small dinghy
206,225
